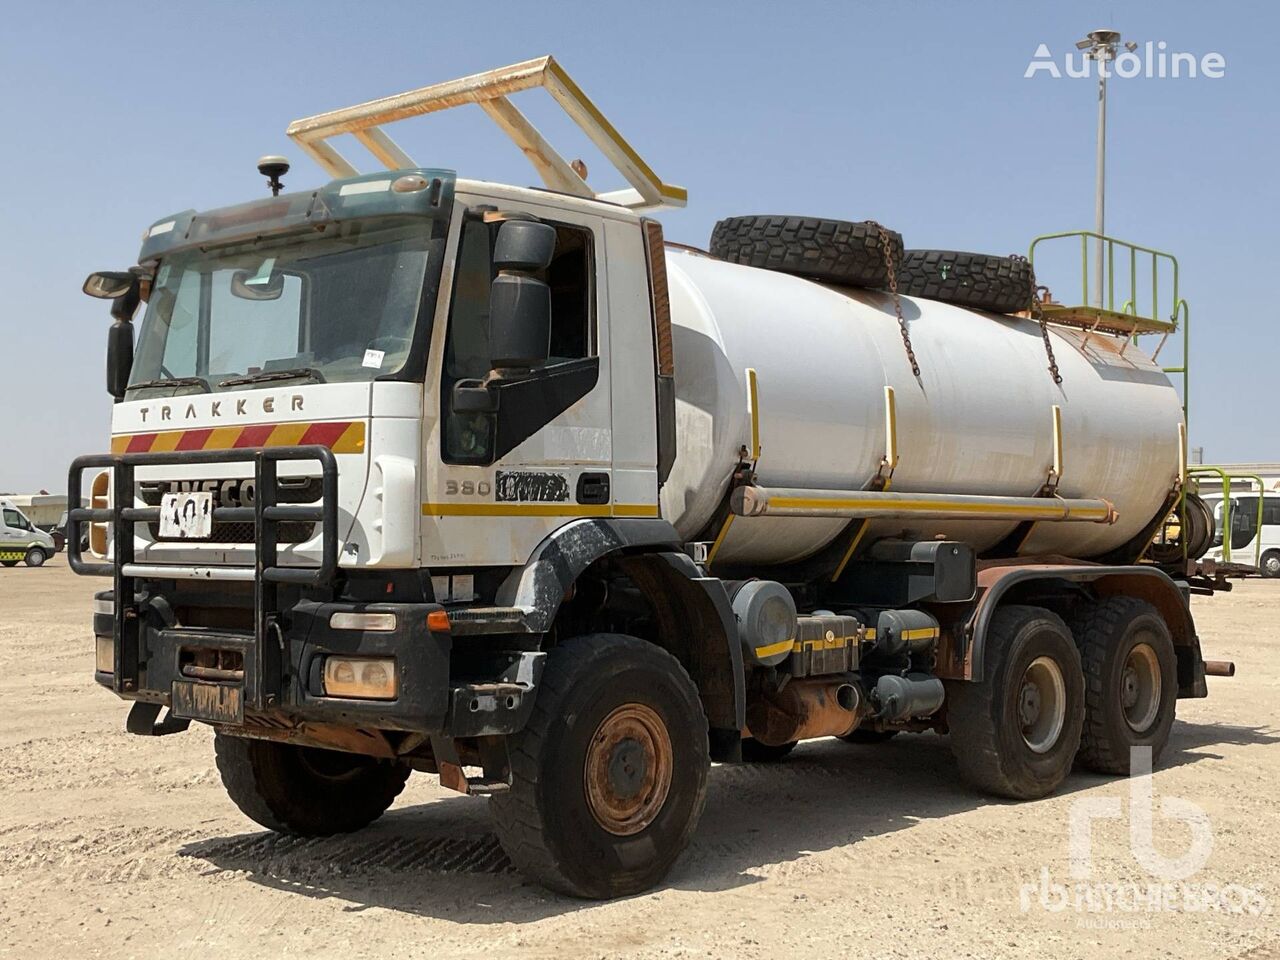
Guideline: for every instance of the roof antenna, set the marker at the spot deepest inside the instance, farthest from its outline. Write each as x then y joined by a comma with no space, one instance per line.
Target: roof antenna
273,168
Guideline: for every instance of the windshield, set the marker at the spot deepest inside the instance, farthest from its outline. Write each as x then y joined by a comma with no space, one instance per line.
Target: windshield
320,308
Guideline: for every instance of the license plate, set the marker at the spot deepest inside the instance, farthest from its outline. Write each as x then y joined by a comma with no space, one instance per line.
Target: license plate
219,702
186,516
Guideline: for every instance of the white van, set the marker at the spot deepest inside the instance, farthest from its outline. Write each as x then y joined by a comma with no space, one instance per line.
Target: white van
1245,533
20,539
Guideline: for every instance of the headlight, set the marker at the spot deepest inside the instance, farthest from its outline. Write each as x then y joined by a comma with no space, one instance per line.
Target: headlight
360,678
373,622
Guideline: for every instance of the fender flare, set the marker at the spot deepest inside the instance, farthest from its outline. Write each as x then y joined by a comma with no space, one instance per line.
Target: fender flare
1144,582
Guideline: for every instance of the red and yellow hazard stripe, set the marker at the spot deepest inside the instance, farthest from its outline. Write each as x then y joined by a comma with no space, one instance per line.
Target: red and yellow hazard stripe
345,436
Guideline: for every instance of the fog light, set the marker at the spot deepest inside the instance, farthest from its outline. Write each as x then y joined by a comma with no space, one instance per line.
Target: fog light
377,622
104,658
360,678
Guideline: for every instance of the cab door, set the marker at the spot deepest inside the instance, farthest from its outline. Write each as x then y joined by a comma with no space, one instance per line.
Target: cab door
487,501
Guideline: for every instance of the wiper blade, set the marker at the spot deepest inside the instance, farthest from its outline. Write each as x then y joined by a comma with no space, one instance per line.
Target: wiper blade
267,375
171,382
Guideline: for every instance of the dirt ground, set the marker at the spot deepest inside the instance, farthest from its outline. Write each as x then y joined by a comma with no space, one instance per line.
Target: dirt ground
121,846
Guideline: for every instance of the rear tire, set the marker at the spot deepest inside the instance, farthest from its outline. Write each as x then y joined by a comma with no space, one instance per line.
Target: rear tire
609,777
1131,682
1269,565
305,790
975,280
36,557
753,751
1015,733
833,251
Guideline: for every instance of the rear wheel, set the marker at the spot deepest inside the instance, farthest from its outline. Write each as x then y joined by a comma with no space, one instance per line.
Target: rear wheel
1131,682
1270,564
36,557
1015,733
609,777
306,790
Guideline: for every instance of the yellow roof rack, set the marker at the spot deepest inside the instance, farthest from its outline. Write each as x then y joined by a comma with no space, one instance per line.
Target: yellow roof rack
491,91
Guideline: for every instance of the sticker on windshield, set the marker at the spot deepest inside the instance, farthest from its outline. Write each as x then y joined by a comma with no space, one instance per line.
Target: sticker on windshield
373,358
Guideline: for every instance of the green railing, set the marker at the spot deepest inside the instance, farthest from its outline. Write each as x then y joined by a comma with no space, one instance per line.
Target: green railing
1226,479
1132,305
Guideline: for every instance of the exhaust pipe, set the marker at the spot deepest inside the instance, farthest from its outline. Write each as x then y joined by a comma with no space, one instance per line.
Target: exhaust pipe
1219,668
805,710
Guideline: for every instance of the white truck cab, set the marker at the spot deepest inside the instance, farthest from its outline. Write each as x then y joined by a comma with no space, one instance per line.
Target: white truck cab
22,540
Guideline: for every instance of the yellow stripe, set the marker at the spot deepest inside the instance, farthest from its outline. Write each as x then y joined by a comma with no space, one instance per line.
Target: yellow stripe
809,503
222,438
920,633
539,510
352,439
857,539
166,442
772,648
753,392
119,444
724,531
286,434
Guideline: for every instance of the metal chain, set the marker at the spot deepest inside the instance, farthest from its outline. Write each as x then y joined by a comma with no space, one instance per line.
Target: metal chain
1037,314
887,248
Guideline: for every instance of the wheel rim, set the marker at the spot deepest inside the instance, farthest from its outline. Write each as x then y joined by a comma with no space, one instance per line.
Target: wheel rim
1271,564
627,776
1042,704
1140,688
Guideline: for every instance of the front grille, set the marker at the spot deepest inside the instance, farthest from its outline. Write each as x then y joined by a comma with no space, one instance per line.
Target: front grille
290,490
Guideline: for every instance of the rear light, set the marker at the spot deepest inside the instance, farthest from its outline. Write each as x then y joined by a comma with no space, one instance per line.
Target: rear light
104,656
360,678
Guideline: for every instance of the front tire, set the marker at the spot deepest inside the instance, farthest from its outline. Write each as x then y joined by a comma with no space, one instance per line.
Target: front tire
305,790
609,777
1131,682
35,557
1015,733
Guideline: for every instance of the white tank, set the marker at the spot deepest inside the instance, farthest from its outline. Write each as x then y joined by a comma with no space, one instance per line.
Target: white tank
978,421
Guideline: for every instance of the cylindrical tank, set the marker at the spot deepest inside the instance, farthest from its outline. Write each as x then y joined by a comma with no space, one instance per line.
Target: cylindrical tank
979,420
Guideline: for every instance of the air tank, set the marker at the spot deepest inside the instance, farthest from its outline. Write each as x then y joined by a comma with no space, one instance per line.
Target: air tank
979,419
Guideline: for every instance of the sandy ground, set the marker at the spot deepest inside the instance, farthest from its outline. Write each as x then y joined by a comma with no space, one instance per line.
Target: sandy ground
121,846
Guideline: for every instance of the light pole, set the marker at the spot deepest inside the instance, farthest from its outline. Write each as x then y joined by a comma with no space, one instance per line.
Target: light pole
1101,46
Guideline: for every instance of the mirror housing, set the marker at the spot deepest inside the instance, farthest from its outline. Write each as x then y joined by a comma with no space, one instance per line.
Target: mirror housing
120,340
520,303
109,284
246,285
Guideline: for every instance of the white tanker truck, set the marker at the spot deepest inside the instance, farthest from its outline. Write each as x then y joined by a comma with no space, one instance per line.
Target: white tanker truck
412,472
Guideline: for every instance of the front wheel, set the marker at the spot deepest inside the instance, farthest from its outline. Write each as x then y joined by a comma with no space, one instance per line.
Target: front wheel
35,557
609,777
306,790
1015,733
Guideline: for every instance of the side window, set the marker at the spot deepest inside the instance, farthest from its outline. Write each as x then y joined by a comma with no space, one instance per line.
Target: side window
1271,511
477,437
12,518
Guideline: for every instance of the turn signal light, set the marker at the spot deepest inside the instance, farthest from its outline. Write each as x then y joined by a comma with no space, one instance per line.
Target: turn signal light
438,621
360,678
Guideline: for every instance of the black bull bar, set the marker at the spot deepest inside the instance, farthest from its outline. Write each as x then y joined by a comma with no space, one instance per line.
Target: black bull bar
265,514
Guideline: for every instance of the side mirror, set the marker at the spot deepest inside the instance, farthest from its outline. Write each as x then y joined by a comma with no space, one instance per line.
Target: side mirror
249,285
109,284
120,341
520,304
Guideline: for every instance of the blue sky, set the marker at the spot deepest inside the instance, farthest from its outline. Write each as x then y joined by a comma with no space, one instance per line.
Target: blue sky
915,113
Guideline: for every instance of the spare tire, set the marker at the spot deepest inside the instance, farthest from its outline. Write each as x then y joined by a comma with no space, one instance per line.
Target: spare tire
834,251
976,280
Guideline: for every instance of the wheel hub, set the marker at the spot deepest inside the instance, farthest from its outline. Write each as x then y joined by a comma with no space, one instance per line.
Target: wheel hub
628,769
1042,704
1272,565
1140,688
